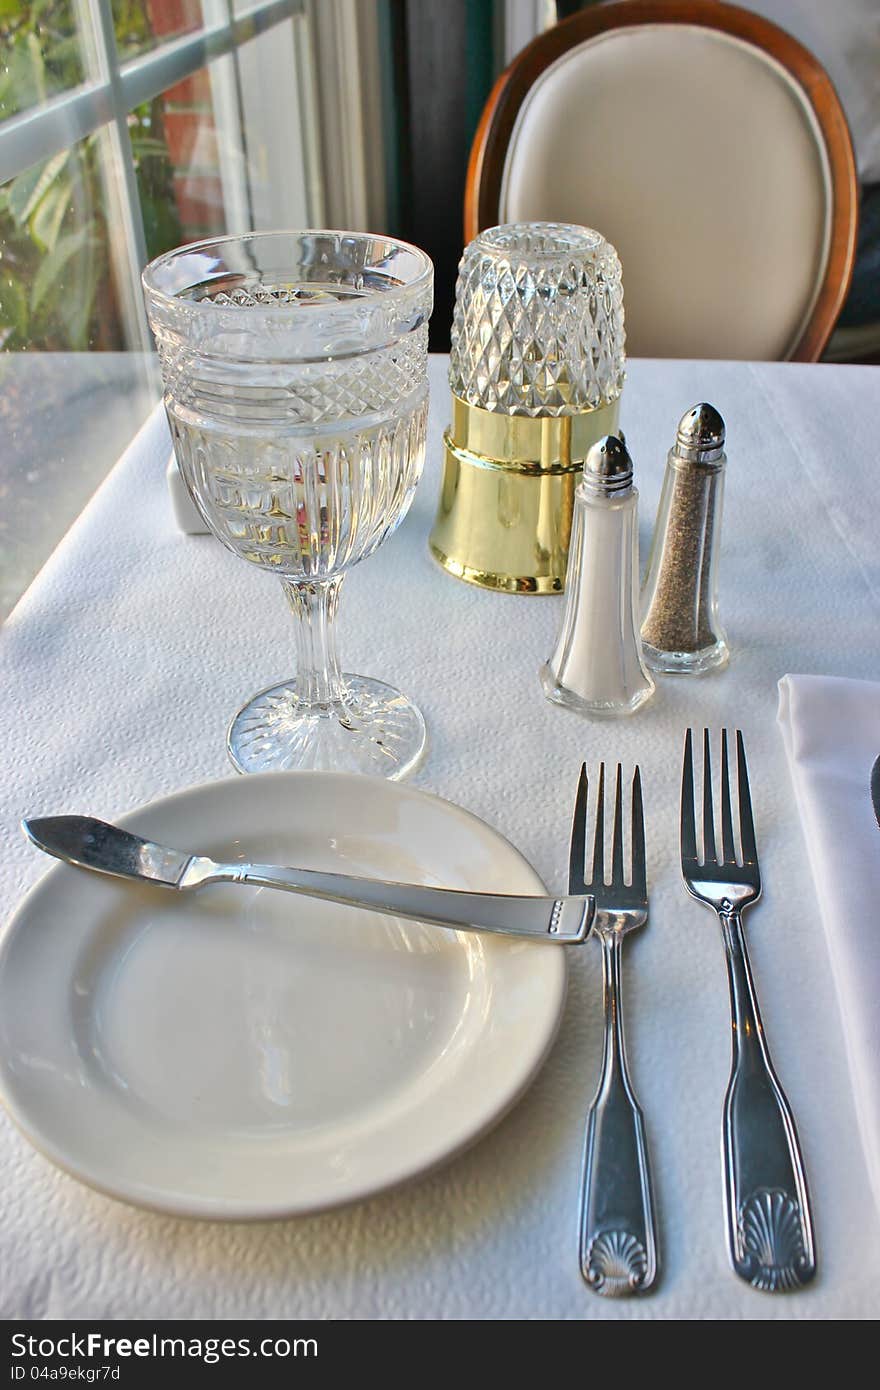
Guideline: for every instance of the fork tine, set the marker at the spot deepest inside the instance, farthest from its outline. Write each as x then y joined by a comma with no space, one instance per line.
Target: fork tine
688,832
637,838
746,821
576,865
728,852
599,837
709,856
617,834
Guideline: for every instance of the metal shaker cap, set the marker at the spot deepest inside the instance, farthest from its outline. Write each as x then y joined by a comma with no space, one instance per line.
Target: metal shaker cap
608,468
700,434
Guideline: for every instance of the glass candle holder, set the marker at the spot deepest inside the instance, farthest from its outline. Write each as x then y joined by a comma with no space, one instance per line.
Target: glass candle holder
536,370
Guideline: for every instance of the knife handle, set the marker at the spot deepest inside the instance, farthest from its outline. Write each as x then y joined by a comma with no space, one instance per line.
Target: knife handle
565,920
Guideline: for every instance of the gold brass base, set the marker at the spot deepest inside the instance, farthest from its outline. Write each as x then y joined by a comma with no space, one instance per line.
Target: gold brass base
504,516
504,583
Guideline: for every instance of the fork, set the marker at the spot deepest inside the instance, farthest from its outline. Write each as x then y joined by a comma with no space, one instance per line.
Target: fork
767,1208
618,1244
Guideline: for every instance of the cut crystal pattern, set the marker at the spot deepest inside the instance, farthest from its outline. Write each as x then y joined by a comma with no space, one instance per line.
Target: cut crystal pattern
538,324
263,294
376,731
296,390
304,507
281,394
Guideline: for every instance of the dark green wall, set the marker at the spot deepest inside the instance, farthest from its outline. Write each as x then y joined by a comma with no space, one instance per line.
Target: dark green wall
440,66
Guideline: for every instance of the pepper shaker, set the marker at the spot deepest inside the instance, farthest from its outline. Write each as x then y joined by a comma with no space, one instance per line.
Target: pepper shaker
597,667
681,630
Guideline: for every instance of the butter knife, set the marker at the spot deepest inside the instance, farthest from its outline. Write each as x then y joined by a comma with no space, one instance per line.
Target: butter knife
107,849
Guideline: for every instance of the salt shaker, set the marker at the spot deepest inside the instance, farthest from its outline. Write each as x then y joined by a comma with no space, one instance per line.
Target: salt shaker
597,666
680,627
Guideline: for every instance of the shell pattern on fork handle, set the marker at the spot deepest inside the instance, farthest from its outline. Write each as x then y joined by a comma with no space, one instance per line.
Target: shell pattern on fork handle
769,1231
618,1240
769,1227
618,1243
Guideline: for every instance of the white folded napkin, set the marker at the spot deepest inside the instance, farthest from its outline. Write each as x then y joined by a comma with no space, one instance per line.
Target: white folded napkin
831,730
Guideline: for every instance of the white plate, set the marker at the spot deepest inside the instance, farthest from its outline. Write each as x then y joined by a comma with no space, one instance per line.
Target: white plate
244,1053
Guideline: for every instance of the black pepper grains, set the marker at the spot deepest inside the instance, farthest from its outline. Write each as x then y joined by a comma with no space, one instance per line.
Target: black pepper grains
680,626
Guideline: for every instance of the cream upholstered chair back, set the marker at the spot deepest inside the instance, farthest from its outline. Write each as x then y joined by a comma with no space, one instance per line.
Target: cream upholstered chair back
708,147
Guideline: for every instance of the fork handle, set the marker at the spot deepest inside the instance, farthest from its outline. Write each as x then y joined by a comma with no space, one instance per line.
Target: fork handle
769,1227
618,1245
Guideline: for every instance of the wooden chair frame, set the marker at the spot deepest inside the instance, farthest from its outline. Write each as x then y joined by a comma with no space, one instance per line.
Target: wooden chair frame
485,169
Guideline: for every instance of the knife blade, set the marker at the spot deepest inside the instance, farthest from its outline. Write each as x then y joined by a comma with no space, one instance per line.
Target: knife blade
108,849
875,788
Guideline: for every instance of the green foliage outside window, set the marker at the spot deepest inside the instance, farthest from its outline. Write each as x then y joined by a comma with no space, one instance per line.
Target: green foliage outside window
56,289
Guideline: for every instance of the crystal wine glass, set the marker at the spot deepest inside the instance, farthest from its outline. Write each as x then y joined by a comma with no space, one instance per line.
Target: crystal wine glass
295,369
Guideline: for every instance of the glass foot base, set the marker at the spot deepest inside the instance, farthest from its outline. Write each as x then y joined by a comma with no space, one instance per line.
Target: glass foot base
710,658
373,730
594,709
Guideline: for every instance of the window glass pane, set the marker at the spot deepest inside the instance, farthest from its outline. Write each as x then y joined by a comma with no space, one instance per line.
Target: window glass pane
41,53
225,149
140,25
66,413
176,144
56,286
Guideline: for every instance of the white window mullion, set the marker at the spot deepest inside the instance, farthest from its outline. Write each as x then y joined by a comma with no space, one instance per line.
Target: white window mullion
269,72
228,124
522,21
125,224
348,73
35,135
308,119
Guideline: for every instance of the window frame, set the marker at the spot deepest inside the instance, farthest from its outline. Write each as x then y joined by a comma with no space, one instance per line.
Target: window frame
103,102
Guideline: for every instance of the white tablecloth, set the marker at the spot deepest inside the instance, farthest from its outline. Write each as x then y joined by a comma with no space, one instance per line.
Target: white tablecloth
120,668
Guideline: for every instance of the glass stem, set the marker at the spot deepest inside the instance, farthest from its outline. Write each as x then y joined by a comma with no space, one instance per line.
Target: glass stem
319,680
